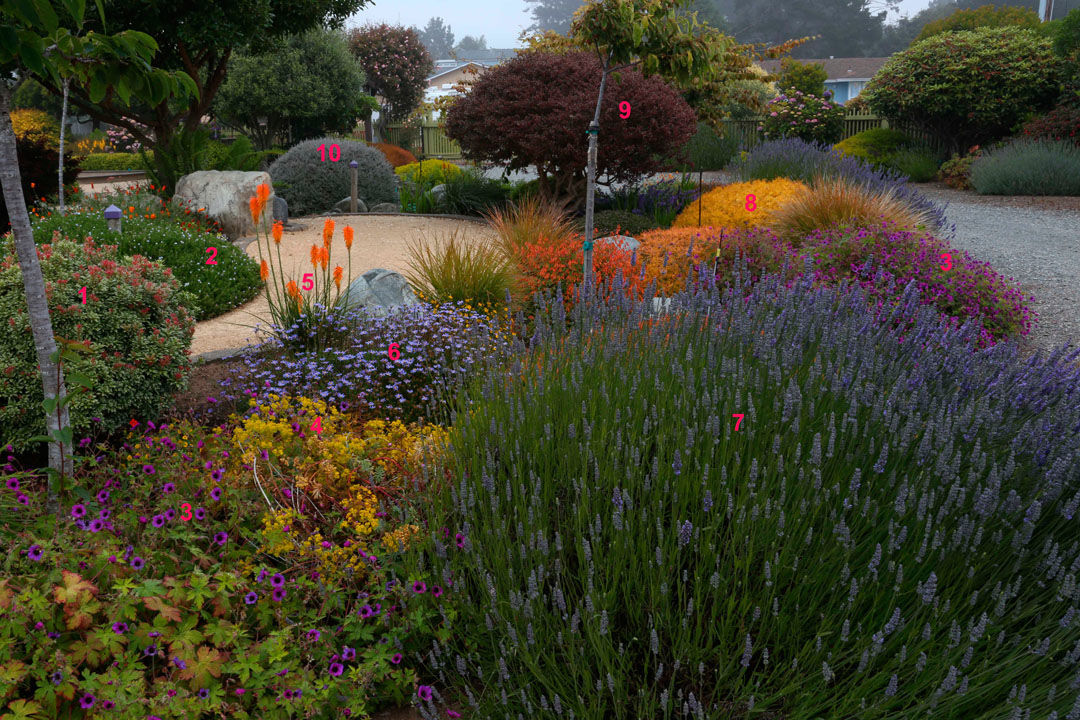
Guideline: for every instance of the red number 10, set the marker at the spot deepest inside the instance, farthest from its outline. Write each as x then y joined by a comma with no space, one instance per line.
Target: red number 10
322,152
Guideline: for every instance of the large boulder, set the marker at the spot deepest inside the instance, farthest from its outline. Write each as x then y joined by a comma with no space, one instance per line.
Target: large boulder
343,205
385,208
379,290
226,196
624,241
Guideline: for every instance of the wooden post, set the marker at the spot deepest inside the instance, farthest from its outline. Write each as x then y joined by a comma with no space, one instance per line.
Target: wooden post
353,165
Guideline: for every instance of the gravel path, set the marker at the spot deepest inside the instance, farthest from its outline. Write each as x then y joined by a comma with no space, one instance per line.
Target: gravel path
1036,241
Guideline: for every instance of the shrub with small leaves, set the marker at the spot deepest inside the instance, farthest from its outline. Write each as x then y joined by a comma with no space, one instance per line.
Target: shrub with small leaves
1061,123
747,204
312,185
395,156
135,326
876,146
427,173
1029,167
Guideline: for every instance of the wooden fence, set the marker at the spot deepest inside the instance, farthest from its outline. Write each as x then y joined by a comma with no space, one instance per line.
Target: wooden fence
430,141
748,134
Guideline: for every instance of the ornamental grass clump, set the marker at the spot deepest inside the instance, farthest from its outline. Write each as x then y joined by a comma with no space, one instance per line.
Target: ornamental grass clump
450,268
761,503
839,202
740,205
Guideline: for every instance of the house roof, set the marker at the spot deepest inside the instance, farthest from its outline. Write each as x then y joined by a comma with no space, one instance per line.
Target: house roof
447,71
837,68
492,56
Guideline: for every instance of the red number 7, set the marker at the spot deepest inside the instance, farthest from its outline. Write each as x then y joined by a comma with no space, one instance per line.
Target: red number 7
740,416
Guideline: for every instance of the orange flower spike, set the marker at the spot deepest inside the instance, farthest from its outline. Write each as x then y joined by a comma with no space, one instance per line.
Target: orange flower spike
256,211
264,271
278,228
327,231
338,273
324,258
291,290
315,255
348,233
263,193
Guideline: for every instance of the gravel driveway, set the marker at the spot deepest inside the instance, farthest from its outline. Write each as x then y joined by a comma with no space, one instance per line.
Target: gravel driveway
1036,241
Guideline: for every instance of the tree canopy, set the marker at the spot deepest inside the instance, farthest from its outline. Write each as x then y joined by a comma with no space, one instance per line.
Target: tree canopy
396,65
844,28
985,16
472,43
437,38
554,15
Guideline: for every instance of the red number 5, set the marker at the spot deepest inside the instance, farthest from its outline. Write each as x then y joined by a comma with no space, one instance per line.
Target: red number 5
185,508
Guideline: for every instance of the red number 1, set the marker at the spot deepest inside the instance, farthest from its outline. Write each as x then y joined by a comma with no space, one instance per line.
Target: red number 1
740,416
185,508
82,292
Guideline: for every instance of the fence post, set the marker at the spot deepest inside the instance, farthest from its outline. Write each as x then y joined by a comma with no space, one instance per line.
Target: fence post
353,165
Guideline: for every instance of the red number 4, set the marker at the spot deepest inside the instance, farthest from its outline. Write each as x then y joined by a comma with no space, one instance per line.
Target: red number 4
740,416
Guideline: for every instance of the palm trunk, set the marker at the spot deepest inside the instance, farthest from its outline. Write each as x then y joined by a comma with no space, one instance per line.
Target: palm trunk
590,182
52,376
63,122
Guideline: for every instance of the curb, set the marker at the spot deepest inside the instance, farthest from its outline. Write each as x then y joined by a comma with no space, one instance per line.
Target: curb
397,214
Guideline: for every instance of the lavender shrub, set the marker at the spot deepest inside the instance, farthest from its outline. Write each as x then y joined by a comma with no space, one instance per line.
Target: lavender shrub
892,531
804,161
437,349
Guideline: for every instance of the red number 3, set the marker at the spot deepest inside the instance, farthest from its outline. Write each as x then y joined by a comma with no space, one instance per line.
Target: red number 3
947,266
185,508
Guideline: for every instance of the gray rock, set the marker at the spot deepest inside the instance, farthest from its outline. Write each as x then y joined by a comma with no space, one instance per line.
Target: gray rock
438,193
625,241
281,209
343,205
380,290
225,196
386,208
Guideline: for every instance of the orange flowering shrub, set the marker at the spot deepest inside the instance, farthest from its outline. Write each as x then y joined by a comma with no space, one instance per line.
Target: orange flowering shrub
671,255
545,263
740,205
395,155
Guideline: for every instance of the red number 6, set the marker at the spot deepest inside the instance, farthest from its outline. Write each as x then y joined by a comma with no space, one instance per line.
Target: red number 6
392,352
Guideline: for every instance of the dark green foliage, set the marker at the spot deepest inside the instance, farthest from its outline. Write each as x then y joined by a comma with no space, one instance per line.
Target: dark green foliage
985,16
968,87
303,86
845,28
916,164
876,146
1066,34
216,289
311,185
1029,167
470,193
38,160
33,95
136,321
437,38
807,77
117,162
627,222
708,150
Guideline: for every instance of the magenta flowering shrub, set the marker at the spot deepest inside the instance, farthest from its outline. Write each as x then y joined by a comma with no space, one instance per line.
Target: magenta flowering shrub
884,260
805,116
120,140
152,601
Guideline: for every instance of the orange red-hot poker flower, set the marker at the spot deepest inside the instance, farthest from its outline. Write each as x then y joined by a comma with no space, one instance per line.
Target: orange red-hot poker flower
256,209
338,272
264,270
263,193
327,231
315,255
278,228
348,232
291,290
324,258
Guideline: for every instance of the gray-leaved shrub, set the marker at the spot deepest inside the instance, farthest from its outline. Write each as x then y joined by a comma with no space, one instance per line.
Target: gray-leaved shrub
312,185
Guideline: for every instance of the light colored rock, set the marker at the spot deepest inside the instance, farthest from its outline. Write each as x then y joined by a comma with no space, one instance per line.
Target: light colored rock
385,208
438,193
343,205
625,241
226,196
379,290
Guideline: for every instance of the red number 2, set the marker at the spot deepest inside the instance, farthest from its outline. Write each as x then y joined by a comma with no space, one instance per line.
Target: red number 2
185,508
740,416
213,254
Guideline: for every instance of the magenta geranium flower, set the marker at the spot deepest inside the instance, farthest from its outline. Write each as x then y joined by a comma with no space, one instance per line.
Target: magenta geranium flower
313,635
34,553
348,653
149,469
419,587
424,692
278,594
221,538
13,483
168,488
215,494
251,598
336,669
119,628
396,659
87,701
77,511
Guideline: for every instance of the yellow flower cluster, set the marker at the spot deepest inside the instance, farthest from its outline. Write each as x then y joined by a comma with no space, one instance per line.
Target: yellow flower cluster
400,538
740,205
322,461
281,535
397,448
429,172
360,507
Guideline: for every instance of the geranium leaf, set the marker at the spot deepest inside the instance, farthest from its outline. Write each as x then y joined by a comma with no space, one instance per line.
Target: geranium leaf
167,611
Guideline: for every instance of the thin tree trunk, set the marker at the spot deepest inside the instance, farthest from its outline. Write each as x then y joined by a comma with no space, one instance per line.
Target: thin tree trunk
52,377
590,183
63,122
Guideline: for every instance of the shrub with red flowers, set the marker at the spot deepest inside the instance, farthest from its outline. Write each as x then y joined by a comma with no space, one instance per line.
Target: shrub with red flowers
801,115
1061,123
135,326
545,264
395,64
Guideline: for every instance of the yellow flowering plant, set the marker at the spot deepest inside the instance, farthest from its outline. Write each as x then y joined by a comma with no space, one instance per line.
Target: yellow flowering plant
740,205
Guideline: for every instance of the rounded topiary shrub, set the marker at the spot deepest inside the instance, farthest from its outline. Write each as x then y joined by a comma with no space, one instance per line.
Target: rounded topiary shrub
397,156
876,146
763,506
428,173
312,185
135,324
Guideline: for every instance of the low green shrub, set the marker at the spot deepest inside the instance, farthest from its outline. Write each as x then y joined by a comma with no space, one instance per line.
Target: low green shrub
1029,167
916,164
216,289
956,171
523,190
760,506
428,173
876,146
627,222
115,162
135,324
312,184
708,150
470,193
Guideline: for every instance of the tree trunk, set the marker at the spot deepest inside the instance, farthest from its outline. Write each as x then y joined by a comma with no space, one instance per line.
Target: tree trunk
52,377
590,186
63,121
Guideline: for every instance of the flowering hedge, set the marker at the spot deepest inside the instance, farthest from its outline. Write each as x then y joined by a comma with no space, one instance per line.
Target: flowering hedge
740,205
801,115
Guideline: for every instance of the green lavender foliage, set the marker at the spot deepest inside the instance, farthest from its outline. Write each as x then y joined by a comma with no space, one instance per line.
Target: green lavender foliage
890,533
1029,167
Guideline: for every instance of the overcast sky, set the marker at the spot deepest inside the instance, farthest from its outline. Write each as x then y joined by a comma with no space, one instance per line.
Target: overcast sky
499,21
